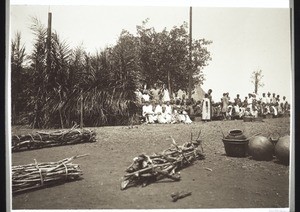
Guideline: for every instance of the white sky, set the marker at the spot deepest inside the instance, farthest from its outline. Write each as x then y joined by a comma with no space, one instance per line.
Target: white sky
244,39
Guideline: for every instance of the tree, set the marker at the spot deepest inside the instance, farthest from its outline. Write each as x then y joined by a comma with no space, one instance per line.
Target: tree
257,80
165,56
18,57
106,80
60,78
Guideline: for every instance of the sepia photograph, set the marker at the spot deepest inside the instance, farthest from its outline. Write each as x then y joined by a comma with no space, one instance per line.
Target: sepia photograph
123,106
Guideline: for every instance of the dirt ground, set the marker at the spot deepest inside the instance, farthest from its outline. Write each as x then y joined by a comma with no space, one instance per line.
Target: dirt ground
232,183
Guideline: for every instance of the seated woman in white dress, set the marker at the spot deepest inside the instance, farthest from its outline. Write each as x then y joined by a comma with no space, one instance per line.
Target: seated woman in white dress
273,110
254,111
162,117
187,119
147,112
177,117
158,113
168,112
182,115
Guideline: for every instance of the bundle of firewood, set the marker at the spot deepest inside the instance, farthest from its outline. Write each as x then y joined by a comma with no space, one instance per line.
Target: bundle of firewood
146,169
37,175
54,138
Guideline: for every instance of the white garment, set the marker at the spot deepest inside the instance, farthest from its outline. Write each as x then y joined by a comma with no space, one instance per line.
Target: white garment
158,109
264,100
148,113
274,110
250,101
236,110
229,111
242,111
187,119
146,97
254,113
157,112
147,109
160,115
167,117
166,95
168,109
267,110
206,109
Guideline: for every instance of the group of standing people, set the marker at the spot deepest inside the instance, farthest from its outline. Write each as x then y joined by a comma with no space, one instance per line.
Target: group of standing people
155,93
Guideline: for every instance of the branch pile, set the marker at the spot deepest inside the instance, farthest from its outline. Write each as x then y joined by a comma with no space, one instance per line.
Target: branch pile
54,138
37,175
147,169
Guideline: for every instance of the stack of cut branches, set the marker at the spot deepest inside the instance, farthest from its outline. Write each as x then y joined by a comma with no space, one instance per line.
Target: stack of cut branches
37,175
147,169
54,138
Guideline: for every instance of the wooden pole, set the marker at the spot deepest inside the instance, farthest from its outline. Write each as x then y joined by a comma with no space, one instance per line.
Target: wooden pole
190,57
81,110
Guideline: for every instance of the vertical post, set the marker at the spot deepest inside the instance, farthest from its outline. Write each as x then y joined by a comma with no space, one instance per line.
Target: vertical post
81,110
190,57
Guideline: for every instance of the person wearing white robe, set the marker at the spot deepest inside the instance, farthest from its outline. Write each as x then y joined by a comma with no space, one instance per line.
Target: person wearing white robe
158,114
168,112
254,111
187,119
229,112
264,98
165,94
242,112
273,110
146,96
267,109
161,116
206,115
147,112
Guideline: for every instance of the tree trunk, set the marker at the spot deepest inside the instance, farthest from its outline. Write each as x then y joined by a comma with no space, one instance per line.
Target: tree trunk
256,83
81,110
169,82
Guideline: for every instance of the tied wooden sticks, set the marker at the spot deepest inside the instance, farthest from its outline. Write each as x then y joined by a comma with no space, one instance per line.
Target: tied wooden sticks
54,138
37,175
147,169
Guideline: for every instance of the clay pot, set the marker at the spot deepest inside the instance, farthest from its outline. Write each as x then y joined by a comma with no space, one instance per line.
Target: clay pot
260,148
235,143
282,149
236,134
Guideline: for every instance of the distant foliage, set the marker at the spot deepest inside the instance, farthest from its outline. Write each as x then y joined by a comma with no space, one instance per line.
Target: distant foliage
59,78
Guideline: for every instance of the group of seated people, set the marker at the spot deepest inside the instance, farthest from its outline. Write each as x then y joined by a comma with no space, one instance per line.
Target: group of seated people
157,112
182,110
253,106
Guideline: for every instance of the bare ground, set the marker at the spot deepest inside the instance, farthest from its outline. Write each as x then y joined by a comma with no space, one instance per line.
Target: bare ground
232,183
